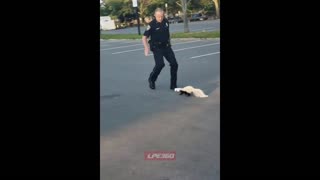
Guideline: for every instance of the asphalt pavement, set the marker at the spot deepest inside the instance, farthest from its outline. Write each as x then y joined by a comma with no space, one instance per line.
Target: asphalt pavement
136,119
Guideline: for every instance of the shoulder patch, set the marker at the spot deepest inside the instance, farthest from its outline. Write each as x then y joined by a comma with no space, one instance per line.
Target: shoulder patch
148,27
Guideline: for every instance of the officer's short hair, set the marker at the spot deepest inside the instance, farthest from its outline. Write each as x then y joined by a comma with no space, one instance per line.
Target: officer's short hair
158,10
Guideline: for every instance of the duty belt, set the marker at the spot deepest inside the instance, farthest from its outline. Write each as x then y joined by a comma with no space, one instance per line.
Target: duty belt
161,44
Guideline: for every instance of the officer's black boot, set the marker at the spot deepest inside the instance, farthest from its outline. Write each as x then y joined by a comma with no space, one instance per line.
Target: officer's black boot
152,85
173,82
154,75
173,85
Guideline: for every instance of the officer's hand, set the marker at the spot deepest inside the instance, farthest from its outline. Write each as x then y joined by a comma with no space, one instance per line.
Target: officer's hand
146,51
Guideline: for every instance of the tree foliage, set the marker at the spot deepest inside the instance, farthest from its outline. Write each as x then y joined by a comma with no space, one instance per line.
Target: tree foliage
123,9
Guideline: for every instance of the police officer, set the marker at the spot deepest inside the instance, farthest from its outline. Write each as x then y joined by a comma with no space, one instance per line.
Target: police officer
160,45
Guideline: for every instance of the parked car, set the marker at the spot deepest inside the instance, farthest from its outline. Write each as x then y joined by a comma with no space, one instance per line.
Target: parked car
177,19
171,20
198,17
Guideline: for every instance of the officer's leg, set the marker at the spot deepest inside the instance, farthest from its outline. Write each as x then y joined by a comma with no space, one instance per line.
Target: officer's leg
169,55
159,64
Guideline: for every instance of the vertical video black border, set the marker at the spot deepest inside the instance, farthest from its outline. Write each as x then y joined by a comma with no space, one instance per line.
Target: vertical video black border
51,112
265,117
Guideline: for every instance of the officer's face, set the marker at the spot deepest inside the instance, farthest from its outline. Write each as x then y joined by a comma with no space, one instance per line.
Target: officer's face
159,16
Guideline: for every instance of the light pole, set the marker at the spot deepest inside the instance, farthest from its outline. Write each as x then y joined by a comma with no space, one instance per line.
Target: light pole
138,19
166,10
135,6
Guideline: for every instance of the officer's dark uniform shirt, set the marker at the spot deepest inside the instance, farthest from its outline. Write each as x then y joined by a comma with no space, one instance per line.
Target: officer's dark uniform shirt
159,32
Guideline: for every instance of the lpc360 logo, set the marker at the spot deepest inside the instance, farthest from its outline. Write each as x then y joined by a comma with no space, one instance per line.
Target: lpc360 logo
160,155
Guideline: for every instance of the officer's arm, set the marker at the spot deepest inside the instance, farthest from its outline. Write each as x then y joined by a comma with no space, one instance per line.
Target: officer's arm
145,42
145,36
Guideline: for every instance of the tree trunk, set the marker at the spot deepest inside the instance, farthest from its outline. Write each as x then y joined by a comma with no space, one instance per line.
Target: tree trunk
185,17
216,4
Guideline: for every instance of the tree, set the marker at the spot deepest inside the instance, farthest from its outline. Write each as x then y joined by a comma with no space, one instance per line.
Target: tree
184,4
207,7
143,8
173,7
118,8
114,6
195,5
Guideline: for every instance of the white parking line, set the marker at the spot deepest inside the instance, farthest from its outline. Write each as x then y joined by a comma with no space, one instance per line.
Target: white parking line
120,52
186,42
121,47
204,55
112,41
127,51
120,43
196,47
195,30
190,47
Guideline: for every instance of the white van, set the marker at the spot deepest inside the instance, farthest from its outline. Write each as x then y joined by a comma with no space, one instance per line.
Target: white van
106,23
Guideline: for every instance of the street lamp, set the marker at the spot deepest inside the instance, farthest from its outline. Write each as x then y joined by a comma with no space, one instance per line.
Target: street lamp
166,9
135,5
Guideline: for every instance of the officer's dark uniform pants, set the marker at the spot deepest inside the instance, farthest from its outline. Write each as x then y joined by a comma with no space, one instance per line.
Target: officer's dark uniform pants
159,64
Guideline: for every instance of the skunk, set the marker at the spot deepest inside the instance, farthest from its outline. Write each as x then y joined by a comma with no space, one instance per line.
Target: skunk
189,90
